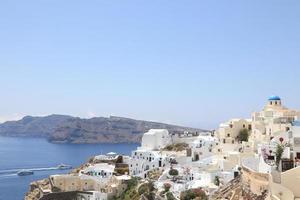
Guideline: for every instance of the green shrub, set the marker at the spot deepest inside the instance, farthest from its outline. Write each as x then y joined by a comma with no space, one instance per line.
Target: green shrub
243,135
193,194
122,170
170,196
176,147
173,172
130,193
143,189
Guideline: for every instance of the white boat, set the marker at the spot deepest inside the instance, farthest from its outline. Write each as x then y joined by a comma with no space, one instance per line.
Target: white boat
25,173
63,166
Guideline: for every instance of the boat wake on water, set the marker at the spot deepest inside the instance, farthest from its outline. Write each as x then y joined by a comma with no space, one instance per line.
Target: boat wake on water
30,171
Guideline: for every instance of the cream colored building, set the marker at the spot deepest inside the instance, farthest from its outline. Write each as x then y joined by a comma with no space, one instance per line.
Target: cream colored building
229,131
273,120
260,175
68,183
285,185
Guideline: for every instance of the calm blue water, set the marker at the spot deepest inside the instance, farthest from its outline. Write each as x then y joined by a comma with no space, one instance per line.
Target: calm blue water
27,153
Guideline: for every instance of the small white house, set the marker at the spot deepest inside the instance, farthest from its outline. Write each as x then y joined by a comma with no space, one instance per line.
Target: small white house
101,170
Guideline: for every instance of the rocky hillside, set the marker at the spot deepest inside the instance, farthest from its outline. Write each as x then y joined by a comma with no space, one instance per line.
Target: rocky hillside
33,126
67,129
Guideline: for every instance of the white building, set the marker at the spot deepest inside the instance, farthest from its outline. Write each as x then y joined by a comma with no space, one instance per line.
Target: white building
147,157
101,170
155,139
203,147
142,161
295,142
91,195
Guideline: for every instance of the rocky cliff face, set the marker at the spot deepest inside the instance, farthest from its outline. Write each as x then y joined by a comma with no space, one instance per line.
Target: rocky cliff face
67,129
107,130
33,126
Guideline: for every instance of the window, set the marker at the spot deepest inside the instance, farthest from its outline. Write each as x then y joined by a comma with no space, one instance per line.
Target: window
228,135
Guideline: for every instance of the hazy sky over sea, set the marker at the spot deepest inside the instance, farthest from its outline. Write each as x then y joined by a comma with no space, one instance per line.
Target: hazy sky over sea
194,63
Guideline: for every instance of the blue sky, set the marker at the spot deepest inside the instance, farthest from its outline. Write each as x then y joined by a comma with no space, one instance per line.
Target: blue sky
194,63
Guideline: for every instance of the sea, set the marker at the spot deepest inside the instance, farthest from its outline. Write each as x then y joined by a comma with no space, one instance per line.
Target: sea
41,156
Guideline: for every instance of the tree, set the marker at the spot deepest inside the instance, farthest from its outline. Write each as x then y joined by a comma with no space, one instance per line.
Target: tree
279,151
243,135
173,172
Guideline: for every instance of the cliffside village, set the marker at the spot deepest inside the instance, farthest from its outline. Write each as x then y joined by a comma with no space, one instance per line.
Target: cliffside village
255,158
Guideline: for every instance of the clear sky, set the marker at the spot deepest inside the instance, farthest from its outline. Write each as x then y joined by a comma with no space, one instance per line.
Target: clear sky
194,63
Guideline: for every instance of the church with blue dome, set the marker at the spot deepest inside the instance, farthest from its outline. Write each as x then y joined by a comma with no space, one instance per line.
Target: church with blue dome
274,100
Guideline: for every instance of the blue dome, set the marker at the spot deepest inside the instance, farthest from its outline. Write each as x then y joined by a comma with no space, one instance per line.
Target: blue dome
274,98
296,123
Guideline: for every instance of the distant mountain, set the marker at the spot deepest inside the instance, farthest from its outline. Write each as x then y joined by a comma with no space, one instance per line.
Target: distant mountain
67,129
33,126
